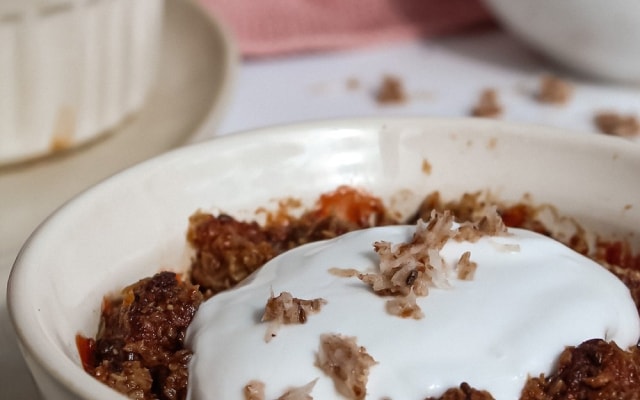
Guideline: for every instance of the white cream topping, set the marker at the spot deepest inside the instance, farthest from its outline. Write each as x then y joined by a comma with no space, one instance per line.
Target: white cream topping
530,297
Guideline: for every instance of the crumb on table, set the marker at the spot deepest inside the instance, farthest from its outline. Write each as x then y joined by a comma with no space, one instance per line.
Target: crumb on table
554,90
487,105
616,124
391,91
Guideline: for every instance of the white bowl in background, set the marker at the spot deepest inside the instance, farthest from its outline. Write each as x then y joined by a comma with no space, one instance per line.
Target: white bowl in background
599,38
133,224
71,70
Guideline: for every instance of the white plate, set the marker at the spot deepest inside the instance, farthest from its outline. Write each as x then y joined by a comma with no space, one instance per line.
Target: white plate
195,76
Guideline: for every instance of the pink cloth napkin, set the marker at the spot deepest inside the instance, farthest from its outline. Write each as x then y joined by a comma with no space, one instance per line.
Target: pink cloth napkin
271,27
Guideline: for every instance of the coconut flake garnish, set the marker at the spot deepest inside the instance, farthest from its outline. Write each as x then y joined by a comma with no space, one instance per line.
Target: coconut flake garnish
408,270
286,309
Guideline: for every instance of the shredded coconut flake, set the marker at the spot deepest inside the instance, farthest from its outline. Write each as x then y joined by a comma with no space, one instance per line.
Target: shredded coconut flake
286,309
346,363
344,272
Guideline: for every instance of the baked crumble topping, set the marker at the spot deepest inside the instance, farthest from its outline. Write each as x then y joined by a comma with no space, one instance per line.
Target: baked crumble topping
346,363
595,369
286,309
139,349
228,250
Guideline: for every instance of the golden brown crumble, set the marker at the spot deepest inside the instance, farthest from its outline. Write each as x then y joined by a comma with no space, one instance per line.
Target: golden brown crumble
594,370
108,357
616,124
286,309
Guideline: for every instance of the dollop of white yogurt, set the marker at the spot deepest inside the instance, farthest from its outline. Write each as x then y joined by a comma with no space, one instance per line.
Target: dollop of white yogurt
524,305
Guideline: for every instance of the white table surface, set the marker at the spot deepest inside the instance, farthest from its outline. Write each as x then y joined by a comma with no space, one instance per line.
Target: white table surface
442,77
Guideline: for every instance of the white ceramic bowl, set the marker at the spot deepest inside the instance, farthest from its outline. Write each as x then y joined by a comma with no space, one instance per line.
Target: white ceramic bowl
596,37
134,223
71,70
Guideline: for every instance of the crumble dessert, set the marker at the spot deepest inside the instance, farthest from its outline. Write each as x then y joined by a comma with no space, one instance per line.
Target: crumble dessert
346,363
139,349
333,216
464,323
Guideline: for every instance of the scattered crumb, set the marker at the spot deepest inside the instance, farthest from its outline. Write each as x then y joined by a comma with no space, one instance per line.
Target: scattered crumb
391,91
615,124
299,393
628,207
353,84
346,363
554,90
488,105
286,309
254,390
492,143
426,167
